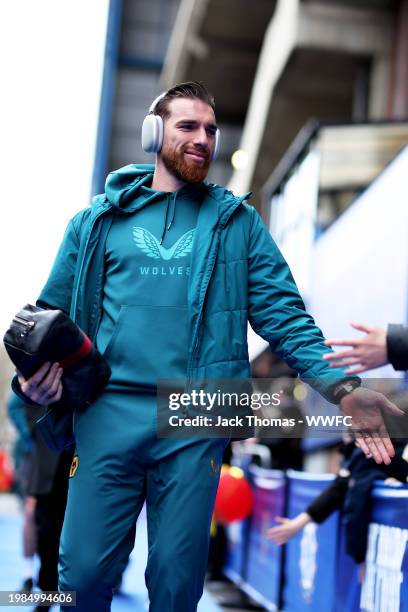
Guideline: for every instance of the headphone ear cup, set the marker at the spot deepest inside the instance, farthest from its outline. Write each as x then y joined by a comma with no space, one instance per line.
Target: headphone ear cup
152,133
216,145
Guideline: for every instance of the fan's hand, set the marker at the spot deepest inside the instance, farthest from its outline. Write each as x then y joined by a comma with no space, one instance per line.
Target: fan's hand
364,353
287,528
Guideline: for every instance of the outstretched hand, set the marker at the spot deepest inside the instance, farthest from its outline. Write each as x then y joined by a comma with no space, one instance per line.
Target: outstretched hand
365,406
365,353
287,528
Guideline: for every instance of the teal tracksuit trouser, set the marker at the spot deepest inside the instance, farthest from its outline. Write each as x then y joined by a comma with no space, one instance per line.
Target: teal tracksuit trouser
121,464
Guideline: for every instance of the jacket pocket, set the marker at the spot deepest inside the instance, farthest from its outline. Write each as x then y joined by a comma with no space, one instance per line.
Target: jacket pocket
56,426
148,342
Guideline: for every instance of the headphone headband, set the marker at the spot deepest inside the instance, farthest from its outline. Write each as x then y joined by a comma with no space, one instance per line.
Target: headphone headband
152,131
155,102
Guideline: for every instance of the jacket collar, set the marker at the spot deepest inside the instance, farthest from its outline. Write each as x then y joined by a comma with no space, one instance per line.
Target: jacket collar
124,182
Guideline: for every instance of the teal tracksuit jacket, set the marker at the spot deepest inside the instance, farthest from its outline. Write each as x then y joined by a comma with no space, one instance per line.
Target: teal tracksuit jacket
238,275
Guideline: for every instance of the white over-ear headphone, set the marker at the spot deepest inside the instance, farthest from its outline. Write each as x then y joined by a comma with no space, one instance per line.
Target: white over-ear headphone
152,131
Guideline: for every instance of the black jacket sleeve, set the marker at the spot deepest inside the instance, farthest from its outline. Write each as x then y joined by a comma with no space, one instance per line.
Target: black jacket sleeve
329,500
398,469
397,346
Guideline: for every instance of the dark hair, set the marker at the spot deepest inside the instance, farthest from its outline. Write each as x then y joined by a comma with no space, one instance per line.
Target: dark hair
190,89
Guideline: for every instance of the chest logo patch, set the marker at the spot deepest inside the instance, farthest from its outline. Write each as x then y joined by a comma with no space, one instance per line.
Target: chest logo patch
151,247
74,466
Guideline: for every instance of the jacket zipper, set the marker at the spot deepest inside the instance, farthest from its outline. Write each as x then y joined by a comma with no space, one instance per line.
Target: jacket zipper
206,283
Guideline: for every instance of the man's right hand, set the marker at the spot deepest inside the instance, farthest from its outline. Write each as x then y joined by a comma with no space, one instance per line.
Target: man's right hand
365,408
45,386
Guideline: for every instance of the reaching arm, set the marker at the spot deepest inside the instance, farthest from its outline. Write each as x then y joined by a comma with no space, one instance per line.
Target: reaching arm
373,350
364,353
329,500
277,313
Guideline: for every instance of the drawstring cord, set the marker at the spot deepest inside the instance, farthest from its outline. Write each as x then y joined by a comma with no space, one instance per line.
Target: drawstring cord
165,221
174,211
165,226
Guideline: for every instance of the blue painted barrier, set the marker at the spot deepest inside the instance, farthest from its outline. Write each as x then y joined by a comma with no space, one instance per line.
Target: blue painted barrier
315,571
262,580
348,588
235,567
310,563
385,587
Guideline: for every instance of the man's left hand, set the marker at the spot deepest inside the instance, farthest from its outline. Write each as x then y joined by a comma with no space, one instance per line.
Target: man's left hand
364,406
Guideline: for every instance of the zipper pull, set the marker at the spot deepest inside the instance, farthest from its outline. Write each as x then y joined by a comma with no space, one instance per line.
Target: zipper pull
25,322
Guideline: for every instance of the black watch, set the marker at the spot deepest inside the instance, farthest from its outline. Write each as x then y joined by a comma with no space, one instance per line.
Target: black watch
344,388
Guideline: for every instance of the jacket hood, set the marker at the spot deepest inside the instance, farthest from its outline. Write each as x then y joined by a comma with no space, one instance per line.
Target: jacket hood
124,185
128,189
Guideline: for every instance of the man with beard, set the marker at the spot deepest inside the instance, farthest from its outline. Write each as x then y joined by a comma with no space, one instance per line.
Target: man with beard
163,272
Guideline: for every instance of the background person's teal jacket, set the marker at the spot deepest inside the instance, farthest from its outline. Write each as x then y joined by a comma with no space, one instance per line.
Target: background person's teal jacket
237,274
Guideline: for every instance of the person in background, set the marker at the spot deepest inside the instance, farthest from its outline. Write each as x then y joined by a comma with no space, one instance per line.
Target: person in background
377,348
46,484
350,492
23,459
284,444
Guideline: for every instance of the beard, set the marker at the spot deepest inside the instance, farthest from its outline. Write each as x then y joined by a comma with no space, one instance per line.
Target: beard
184,169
